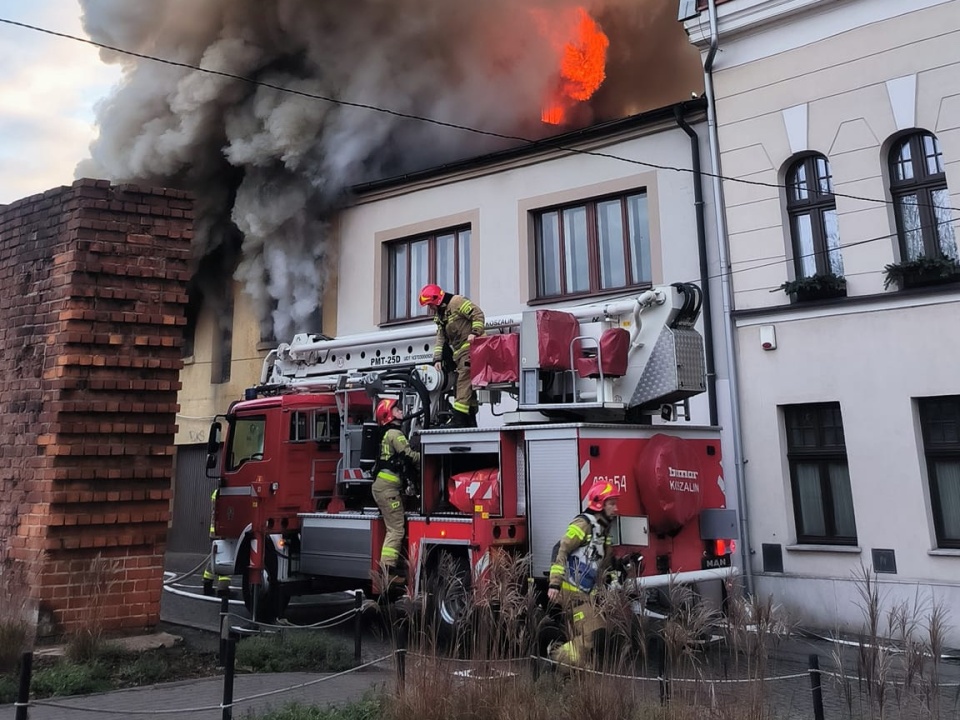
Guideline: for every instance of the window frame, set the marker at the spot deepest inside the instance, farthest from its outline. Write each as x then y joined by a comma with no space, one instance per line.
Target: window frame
411,311
593,247
932,452
922,185
816,205
822,455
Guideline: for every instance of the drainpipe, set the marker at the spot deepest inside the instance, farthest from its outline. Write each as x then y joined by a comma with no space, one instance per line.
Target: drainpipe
723,246
702,251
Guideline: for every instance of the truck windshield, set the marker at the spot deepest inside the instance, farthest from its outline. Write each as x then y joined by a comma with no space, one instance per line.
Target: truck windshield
246,440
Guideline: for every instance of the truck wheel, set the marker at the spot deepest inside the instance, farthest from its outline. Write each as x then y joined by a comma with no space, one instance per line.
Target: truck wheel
448,583
271,600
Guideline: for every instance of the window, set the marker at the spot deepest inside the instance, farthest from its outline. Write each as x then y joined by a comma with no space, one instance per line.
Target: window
822,501
918,185
593,247
940,420
442,258
813,218
246,440
222,352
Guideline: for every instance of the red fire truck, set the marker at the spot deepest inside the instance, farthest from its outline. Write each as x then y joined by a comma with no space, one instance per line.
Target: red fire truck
569,396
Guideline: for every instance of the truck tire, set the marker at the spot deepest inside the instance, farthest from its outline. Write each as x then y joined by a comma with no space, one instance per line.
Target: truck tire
271,600
448,588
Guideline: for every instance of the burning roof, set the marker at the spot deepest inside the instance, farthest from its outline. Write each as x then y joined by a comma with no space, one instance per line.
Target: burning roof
269,161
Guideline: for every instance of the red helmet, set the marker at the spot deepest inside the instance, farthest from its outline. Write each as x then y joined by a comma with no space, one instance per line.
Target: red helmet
599,493
431,295
384,411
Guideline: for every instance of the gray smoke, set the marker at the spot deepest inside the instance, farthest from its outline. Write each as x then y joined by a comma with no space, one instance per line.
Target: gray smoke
269,166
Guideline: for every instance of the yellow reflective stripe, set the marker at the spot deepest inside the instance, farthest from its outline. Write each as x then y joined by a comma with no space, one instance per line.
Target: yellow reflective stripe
575,533
556,569
466,308
388,476
388,552
569,587
477,326
578,616
461,407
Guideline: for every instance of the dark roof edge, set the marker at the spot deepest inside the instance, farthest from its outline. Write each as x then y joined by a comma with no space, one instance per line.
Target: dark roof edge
611,127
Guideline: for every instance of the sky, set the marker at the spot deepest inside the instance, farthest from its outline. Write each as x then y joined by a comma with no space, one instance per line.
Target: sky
48,93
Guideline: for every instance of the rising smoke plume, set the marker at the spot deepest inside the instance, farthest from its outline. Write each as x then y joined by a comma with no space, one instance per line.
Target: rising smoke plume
268,166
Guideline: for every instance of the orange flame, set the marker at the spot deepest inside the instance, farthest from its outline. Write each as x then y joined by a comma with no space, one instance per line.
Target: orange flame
583,57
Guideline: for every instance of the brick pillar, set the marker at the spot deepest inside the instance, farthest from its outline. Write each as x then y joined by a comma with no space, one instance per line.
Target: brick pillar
91,316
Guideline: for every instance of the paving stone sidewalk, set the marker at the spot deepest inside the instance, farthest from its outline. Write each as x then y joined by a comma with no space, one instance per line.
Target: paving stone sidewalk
160,701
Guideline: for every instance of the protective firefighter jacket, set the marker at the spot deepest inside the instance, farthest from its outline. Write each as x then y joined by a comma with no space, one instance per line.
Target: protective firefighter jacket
580,554
455,322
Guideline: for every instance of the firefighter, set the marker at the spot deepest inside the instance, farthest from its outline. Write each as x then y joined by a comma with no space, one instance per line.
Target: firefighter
579,560
388,487
223,581
459,322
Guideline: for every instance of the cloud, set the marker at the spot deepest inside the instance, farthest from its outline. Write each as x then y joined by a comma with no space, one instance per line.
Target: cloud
48,92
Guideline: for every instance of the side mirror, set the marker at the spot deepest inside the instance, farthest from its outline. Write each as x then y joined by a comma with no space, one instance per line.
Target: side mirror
213,445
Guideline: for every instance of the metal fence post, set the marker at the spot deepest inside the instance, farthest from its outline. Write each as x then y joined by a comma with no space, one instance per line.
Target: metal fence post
661,656
227,704
23,692
815,687
357,629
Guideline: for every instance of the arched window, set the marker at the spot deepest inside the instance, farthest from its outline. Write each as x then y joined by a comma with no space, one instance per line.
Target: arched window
918,185
813,217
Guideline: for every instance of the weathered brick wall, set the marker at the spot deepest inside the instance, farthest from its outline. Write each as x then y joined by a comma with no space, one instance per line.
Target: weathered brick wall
92,282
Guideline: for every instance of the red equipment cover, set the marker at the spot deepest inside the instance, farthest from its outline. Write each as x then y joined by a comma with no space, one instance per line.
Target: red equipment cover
668,480
555,333
477,491
495,359
614,345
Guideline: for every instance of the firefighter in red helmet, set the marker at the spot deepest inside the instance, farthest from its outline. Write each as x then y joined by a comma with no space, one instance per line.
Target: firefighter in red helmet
459,322
388,486
580,558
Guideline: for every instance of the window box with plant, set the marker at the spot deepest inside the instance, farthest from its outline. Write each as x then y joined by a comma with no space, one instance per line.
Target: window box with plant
921,272
823,286
925,225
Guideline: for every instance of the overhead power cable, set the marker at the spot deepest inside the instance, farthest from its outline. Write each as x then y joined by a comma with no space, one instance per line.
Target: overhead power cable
421,118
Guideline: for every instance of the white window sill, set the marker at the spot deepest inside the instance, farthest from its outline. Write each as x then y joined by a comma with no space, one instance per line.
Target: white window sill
852,549
944,552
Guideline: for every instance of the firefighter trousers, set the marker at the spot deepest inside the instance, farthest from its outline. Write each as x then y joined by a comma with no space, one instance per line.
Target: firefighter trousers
583,622
464,398
387,496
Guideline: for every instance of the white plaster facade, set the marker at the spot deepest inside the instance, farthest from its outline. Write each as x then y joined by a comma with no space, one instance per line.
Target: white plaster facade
842,78
498,198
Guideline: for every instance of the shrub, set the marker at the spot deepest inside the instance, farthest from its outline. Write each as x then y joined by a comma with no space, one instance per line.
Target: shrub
95,581
16,628
294,651
66,678
369,708
8,689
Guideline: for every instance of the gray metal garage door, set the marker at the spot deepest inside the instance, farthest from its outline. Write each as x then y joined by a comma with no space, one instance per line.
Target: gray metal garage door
190,527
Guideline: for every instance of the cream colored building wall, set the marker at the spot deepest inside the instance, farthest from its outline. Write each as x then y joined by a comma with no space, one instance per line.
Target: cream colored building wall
839,78
200,399
497,203
840,85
